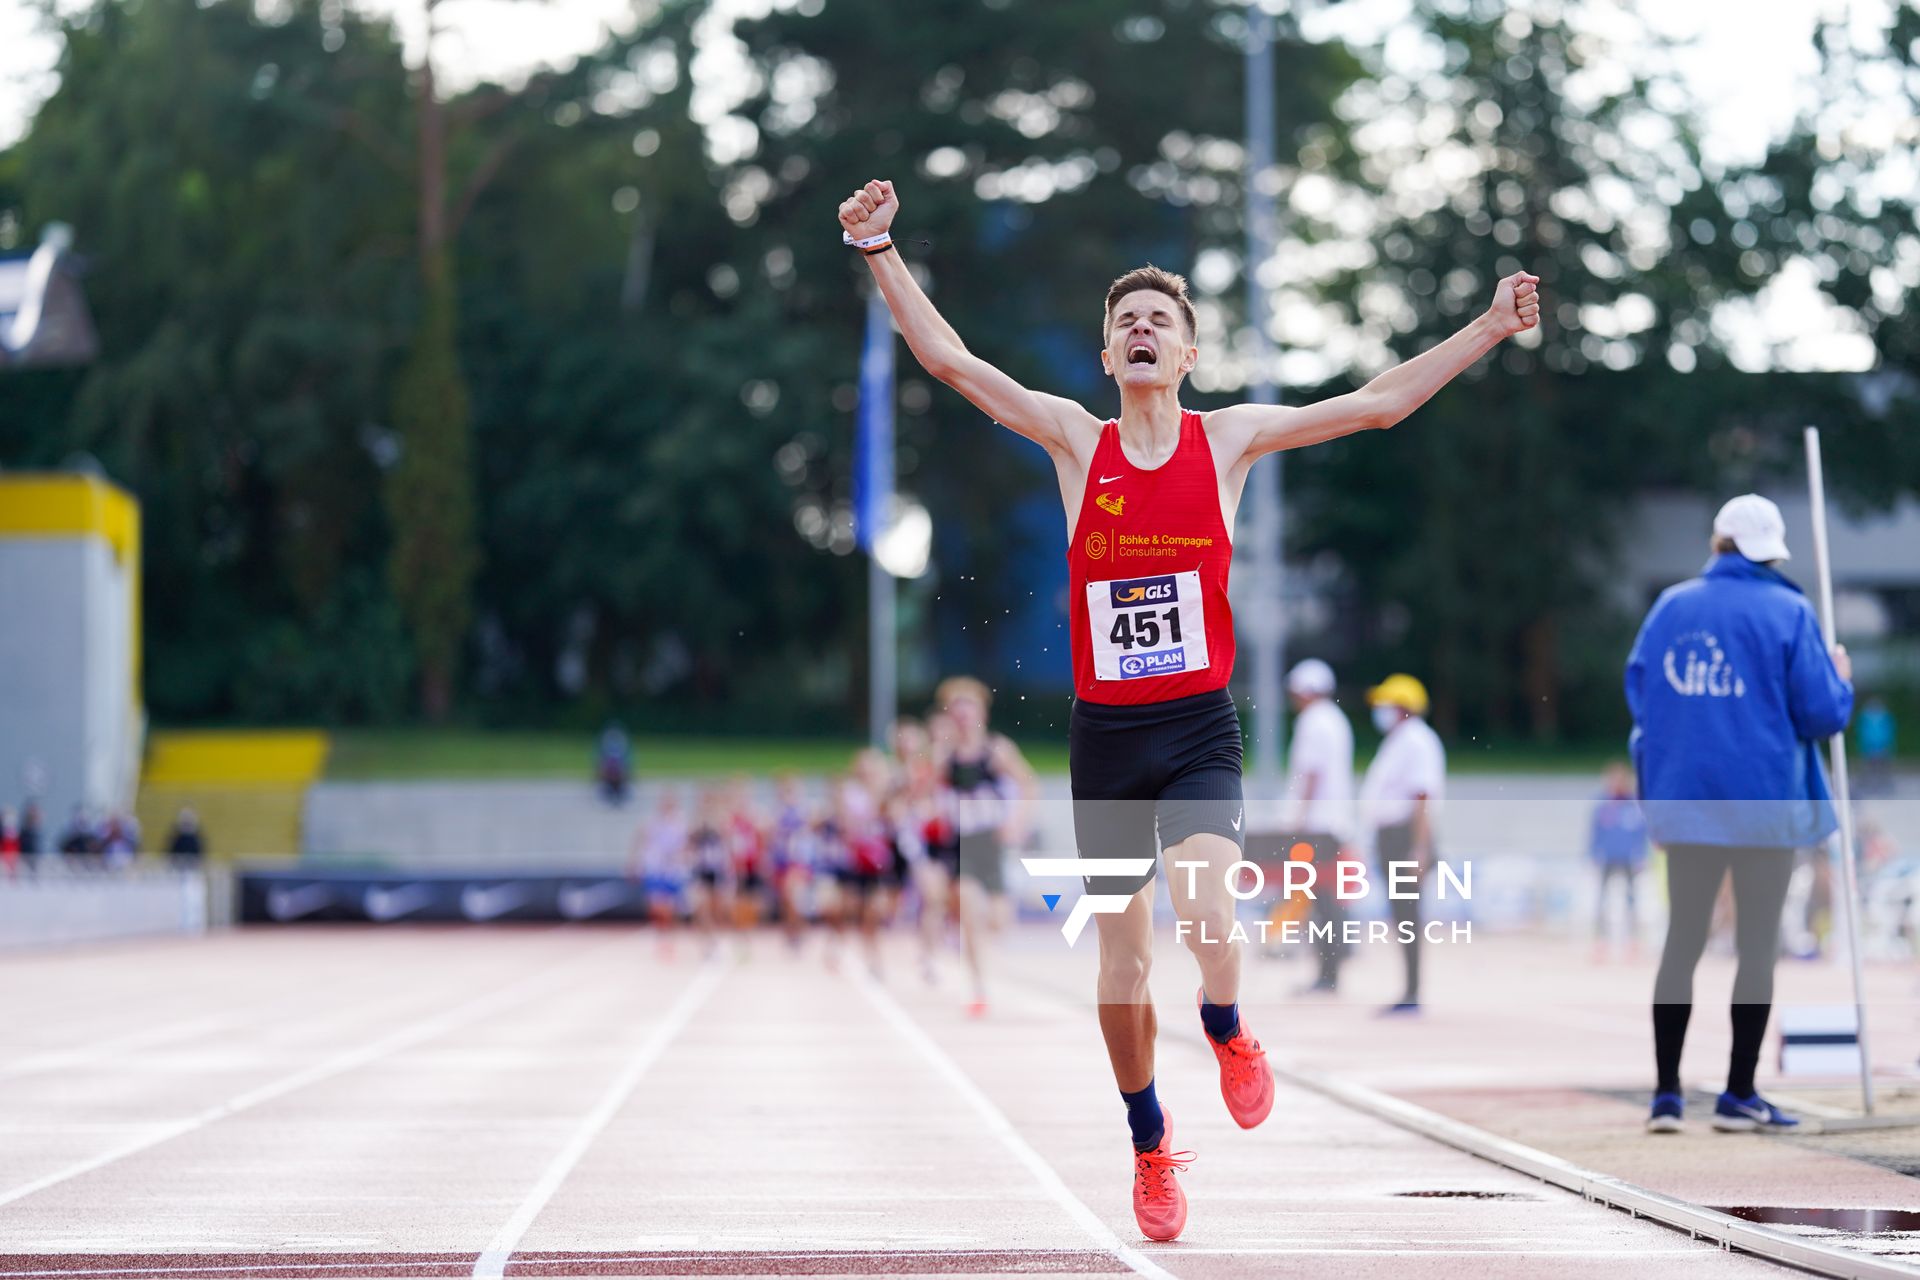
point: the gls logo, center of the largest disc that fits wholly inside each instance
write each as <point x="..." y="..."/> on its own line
<point x="1089" y="904"/>
<point x="1134" y="592"/>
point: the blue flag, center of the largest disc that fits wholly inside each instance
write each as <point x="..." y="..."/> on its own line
<point x="873" y="428"/>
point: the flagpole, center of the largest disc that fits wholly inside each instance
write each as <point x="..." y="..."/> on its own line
<point x="873" y="504"/>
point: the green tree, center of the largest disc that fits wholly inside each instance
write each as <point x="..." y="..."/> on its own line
<point x="241" y="258"/>
<point x="1480" y="553"/>
<point x="430" y="493"/>
<point x="634" y="392"/>
<point x="1837" y="197"/>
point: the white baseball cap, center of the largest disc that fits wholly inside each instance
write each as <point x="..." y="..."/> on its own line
<point x="1755" y="526"/>
<point x="1310" y="676"/>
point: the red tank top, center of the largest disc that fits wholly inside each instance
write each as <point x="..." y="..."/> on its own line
<point x="1147" y="576"/>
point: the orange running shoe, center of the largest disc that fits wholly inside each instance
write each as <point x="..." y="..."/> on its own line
<point x="1159" y="1205"/>
<point x="1246" y="1081"/>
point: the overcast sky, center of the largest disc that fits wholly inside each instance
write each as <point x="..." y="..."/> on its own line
<point x="1747" y="61"/>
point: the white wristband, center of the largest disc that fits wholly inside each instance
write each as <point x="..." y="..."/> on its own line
<point x="871" y="242"/>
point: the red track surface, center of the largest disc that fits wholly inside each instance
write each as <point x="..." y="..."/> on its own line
<point x="320" y="1266"/>
<point x="344" y="1102"/>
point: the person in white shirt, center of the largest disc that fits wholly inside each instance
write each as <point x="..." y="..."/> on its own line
<point x="1400" y="804"/>
<point x="1319" y="803"/>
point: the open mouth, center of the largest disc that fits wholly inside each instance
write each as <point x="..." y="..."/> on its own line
<point x="1140" y="353"/>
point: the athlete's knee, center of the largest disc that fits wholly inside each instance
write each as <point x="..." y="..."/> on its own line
<point x="1207" y="923"/>
<point x="1123" y="974"/>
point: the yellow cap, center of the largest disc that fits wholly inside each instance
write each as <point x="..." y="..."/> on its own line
<point x="1399" y="690"/>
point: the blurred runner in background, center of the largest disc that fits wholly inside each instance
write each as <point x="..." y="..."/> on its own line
<point x="746" y="853"/>
<point x="868" y="882"/>
<point x="709" y="849"/>
<point x="792" y="848"/>
<point x="658" y="861"/>
<point x="990" y="796"/>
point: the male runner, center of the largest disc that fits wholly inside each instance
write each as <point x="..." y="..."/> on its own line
<point x="790" y="841"/>
<point x="708" y="850"/>
<point x="990" y="792"/>
<point x="913" y="812"/>
<point x="658" y="860"/>
<point x="1154" y="739"/>
<point x="747" y="848"/>
<point x="868" y="884"/>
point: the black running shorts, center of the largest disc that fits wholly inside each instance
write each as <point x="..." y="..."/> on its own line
<point x="983" y="860"/>
<point x="1147" y="777"/>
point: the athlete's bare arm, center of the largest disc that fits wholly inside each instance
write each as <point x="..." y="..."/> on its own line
<point x="1247" y="431"/>
<point x="1008" y="761"/>
<point x="1058" y="425"/>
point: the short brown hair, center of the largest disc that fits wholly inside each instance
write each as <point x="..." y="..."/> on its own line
<point x="963" y="687"/>
<point x="1152" y="277"/>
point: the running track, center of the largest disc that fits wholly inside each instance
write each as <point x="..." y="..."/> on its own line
<point x="542" y="1102"/>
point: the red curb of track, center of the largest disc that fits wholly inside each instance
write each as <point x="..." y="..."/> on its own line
<point x="338" y="1266"/>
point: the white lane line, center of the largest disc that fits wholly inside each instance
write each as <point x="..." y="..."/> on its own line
<point x="999" y="1126"/>
<point x="493" y="1263"/>
<point x="1819" y="1110"/>
<point x="460" y="1015"/>
<point x="147" y="1038"/>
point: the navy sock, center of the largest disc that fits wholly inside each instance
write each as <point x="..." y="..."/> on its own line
<point x="1222" y="1021"/>
<point x="1144" y="1118"/>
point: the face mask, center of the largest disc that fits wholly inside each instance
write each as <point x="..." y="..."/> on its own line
<point x="1384" y="718"/>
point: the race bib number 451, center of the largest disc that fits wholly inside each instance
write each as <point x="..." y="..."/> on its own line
<point x="1147" y="626"/>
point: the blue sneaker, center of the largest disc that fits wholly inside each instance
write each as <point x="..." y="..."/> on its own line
<point x="1747" y="1115"/>
<point x="1669" y="1113"/>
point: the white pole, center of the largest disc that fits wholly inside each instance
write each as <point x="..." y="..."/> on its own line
<point x="1837" y="746"/>
<point x="1264" y="489"/>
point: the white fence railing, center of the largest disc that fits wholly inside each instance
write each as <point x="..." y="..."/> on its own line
<point x="54" y="909"/>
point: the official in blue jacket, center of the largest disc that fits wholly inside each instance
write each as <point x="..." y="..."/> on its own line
<point x="1732" y="690"/>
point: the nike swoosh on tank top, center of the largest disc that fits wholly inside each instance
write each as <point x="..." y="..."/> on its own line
<point x="1147" y="566"/>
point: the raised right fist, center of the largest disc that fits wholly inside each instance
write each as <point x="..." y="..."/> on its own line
<point x="869" y="211"/>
